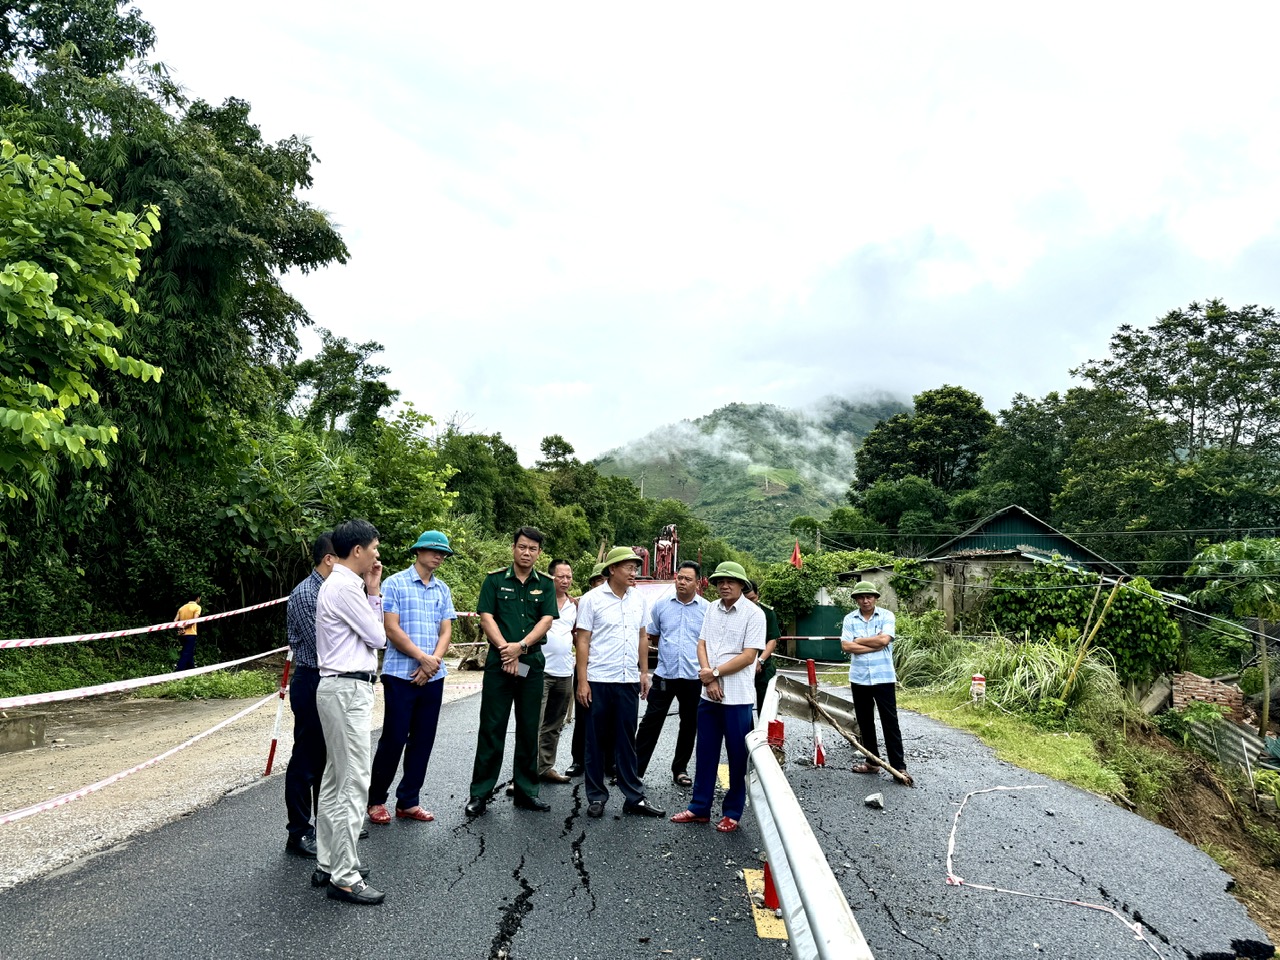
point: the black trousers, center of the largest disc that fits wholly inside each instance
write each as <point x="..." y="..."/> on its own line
<point x="614" y="707"/>
<point x="306" y="763"/>
<point x="870" y="699"/>
<point x="661" y="693"/>
<point x="582" y="717"/>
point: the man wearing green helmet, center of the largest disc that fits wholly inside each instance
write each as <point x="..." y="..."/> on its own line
<point x="614" y="650"/>
<point x="418" y="615"/>
<point x="732" y="637"/>
<point x="867" y="636"/>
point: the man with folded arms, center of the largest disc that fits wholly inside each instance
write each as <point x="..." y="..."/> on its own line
<point x="732" y="637"/>
<point x="614" y="647"/>
<point x="418" y="615"/>
<point x="675" y="622"/>
<point x="349" y="634"/>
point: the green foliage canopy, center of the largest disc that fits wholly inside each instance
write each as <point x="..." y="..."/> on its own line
<point x="66" y="259"/>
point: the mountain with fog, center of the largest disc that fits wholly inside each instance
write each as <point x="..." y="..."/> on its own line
<point x="750" y="469"/>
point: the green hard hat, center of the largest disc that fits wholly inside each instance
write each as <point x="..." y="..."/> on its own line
<point x="731" y="571"/>
<point x="597" y="571"/>
<point x="866" y="586"/>
<point x="432" y="540"/>
<point x="618" y="555"/>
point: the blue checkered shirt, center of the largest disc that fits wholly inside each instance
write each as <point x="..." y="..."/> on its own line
<point x="300" y="620"/>
<point x="677" y="625"/>
<point x="868" y="668"/>
<point x="422" y="607"/>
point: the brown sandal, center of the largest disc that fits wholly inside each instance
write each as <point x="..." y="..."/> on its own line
<point x="865" y="768"/>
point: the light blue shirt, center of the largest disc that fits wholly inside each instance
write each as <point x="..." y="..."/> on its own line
<point x="677" y="626"/>
<point x="877" y="667"/>
<point x="422" y="607"/>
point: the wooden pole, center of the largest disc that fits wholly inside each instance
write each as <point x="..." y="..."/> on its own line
<point x="902" y="778"/>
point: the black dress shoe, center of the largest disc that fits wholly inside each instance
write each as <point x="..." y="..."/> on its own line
<point x="475" y="807"/>
<point x="532" y="803"/>
<point x="643" y="809"/>
<point x="595" y="809"/>
<point x="364" y="833"/>
<point x="360" y="893"/>
<point x="303" y="846"/>
<point x="575" y="770"/>
<point x="320" y="877"/>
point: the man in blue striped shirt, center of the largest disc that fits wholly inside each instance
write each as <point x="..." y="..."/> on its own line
<point x="418" y="615"/>
<point x="867" y="635"/>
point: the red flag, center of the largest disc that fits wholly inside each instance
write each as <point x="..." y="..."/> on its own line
<point x="795" y="557"/>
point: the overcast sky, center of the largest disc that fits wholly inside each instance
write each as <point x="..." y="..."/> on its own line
<point x="593" y="219"/>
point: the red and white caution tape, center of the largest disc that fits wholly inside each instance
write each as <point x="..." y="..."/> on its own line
<point x="1135" y="927"/>
<point x="10" y="702"/>
<point x="154" y="628"/>
<point x="115" y="778"/>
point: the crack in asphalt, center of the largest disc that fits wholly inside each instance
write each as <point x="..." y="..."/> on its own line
<point x="898" y="926"/>
<point x="465" y="827"/>
<point x="573" y="814"/>
<point x="512" y="916"/>
<point x="584" y="875"/>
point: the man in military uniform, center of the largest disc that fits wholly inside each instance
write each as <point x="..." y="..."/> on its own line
<point x="766" y="667"/>
<point x="517" y="606"/>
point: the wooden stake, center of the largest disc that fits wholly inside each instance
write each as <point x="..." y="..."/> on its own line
<point x="902" y="778"/>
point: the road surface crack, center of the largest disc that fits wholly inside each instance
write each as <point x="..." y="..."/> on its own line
<point x="462" y="869"/>
<point x="573" y="814"/>
<point x="512" y="916"/>
<point x="584" y="876"/>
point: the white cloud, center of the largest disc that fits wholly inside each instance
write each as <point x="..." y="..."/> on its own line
<point x="718" y="202"/>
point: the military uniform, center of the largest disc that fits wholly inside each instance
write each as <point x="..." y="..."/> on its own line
<point x="516" y="608"/>
<point x="771" y="632"/>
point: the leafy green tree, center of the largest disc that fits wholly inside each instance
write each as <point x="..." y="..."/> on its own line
<point x="343" y="385"/>
<point x="1025" y="457"/>
<point x="67" y="259"/>
<point x="489" y="481"/>
<point x="1208" y="371"/>
<point x="940" y="441"/>
<point x="557" y="453"/>
<point x="1245" y="575"/>
<point x="96" y="34"/>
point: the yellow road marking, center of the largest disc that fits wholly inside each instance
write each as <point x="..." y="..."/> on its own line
<point x="768" y="927"/>
<point x="724" y="776"/>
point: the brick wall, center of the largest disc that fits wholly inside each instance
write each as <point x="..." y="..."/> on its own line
<point x="1189" y="686"/>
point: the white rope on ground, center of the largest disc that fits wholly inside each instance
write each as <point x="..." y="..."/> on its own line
<point x="955" y="881"/>
<point x="117" y="685"/>
<point x="154" y="628"/>
<point x="115" y="778"/>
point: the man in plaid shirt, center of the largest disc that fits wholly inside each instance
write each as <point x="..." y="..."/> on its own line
<point x="867" y="635"/>
<point x="418" y="614"/>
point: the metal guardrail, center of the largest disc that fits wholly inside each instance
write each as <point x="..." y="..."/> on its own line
<point x="814" y="908"/>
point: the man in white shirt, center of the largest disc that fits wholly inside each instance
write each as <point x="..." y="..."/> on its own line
<point x="731" y="639"/>
<point x="349" y="634"/>
<point x="557" y="678"/>
<point x="614" y="647"/>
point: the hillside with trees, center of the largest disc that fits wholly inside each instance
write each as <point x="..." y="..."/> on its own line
<point x="749" y="469"/>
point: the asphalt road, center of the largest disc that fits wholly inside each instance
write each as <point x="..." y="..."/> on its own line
<point x="542" y="886"/>
<point x="513" y="883"/>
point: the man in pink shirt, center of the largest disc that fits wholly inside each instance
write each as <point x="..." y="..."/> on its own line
<point x="349" y="634"/>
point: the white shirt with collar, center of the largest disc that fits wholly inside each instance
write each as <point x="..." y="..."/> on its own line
<point x="614" y="623"/>
<point x="349" y="630"/>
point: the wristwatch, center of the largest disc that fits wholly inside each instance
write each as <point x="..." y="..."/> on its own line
<point x="524" y="647"/>
<point x="716" y="672"/>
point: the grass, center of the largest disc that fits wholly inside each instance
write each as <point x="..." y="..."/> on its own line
<point x="219" y="685"/>
<point x="1069" y="756"/>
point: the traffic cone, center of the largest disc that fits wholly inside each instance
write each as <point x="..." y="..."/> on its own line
<point x="770" y="891"/>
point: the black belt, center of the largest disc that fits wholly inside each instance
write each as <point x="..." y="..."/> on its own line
<point x="359" y="675"/>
